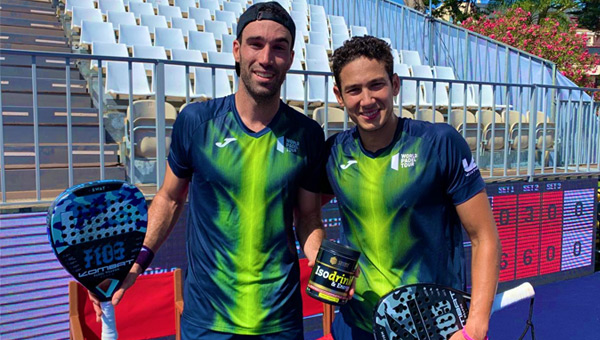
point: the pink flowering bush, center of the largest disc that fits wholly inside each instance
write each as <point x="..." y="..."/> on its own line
<point x="547" y="40"/>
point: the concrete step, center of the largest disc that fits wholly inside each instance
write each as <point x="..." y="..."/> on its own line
<point x="24" y="115"/>
<point x="32" y="8"/>
<point x="42" y="72"/>
<point x="8" y="20"/>
<point x="31" y="31"/>
<point x="27" y="15"/>
<point x="44" y="85"/>
<point x="37" y="48"/>
<point x="41" y="62"/>
<point x="52" y="133"/>
<point x="23" y="156"/>
<point x="31" y="39"/>
<point x="32" y="3"/>
<point x="20" y="183"/>
<point x="44" y="100"/>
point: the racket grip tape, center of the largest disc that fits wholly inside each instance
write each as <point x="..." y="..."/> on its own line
<point x="507" y="298"/>
<point x="109" y="326"/>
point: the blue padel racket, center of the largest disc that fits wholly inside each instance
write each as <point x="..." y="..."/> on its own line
<point x="433" y="312"/>
<point x="96" y="230"/>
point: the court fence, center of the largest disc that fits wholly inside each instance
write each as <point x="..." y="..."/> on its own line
<point x="514" y="130"/>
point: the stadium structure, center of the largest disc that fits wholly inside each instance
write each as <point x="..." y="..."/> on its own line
<point x="90" y="90"/>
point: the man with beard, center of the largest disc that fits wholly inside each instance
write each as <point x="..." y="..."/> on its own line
<point x="251" y="164"/>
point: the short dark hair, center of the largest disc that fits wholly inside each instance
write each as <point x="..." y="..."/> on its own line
<point x="364" y="46"/>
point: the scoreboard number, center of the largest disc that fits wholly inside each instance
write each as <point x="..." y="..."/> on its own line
<point x="544" y="228"/>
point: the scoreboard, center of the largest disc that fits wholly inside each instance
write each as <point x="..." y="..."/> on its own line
<point x="546" y="228"/>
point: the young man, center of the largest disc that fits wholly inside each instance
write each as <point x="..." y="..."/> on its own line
<point x="252" y="165"/>
<point x="403" y="188"/>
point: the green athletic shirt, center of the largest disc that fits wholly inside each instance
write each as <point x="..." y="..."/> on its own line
<point x="243" y="273"/>
<point x="397" y="207"/>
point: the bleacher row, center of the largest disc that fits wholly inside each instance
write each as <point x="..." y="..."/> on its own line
<point x="203" y="32"/>
<point x="158" y="30"/>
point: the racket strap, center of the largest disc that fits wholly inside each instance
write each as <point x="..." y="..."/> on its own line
<point x="529" y="322"/>
<point x="145" y="257"/>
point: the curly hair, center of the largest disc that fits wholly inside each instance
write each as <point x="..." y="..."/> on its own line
<point x="365" y="46"/>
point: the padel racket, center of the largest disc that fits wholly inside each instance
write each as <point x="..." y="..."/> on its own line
<point x="432" y="312"/>
<point x="96" y="230"/>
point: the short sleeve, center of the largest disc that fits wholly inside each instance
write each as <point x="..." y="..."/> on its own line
<point x="180" y="158"/>
<point x="458" y="165"/>
<point x="311" y="178"/>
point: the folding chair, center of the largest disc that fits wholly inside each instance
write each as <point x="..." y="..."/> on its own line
<point x="151" y="308"/>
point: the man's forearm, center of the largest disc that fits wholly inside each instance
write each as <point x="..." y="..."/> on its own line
<point x="484" y="280"/>
<point x="310" y="234"/>
<point x="162" y="215"/>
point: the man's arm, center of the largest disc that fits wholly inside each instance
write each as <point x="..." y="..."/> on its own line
<point x="162" y="215"/>
<point x="477" y="219"/>
<point x="309" y="226"/>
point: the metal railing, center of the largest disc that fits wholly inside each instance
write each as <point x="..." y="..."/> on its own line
<point x="472" y="55"/>
<point x="572" y="123"/>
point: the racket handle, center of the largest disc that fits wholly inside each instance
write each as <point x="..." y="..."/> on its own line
<point x="109" y="326"/>
<point x="507" y="298"/>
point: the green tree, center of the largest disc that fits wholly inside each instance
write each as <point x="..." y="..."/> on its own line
<point x="540" y="9"/>
<point x="457" y="10"/>
<point x="588" y="15"/>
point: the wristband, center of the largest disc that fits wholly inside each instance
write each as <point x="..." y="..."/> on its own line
<point x="145" y="258"/>
<point x="467" y="337"/>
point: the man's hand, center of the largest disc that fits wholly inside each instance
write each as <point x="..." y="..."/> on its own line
<point x="128" y="282"/>
<point x="356" y="275"/>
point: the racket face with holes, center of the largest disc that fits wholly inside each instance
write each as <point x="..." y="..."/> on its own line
<point x="96" y="230"/>
<point x="420" y="311"/>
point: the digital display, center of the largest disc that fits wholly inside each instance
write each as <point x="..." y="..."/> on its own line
<point x="544" y="227"/>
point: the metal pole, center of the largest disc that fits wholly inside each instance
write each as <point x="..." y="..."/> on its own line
<point x="557" y="121"/>
<point x="552" y="105"/>
<point x="376" y="18"/>
<point x="36" y="126"/>
<point x="101" y="118"/>
<point x="187" y="84"/>
<point x="161" y="155"/>
<point x="466" y="59"/>
<point x="69" y="121"/>
<point x="478" y="119"/>
<point x="402" y="30"/>
<point x="520" y="132"/>
<point x="326" y="126"/>
<point x="131" y="118"/>
<point x="590" y="130"/>
<point x="430" y="36"/>
<point x="567" y="145"/>
<point x="578" y="133"/>
<point x="2" y="166"/>
<point x="531" y="148"/>
<point x="544" y="128"/>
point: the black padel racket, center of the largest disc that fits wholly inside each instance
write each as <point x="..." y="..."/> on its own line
<point x="96" y="230"/>
<point x="430" y="311"/>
